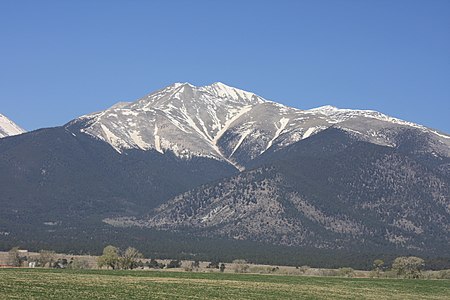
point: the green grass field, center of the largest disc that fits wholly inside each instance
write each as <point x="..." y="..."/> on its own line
<point x="98" y="284"/>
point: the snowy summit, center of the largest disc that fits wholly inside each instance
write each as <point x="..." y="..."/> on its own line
<point x="228" y="124"/>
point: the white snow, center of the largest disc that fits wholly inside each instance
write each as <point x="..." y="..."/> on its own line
<point x="8" y="127"/>
<point x="157" y="139"/>
<point x="137" y="139"/>
<point x="192" y="124"/>
<point x="308" y="132"/>
<point x="230" y="121"/>
<point x="243" y="136"/>
<point x="283" y="122"/>
<point x="112" y="138"/>
<point x="441" y="135"/>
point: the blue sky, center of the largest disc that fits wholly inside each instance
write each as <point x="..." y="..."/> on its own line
<point x="63" y="59"/>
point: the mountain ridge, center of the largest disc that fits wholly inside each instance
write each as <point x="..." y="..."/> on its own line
<point x="217" y="121"/>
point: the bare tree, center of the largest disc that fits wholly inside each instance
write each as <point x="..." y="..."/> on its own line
<point x="14" y="257"/>
<point x="240" y="266"/>
<point x="377" y="267"/>
<point x="409" y="267"/>
<point x="46" y="257"/>
<point x="130" y="258"/>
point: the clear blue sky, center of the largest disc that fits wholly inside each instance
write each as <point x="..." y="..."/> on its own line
<point x="62" y="59"/>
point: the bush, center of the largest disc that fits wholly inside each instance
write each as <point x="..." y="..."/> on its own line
<point x="193" y="266"/>
<point x="78" y="264"/>
<point x="346" y="272"/>
<point x="389" y="274"/>
<point x="260" y="269"/>
<point x="443" y="274"/>
<point x="196" y="264"/>
<point x="327" y="272"/>
<point x="213" y="265"/>
<point x="303" y="269"/>
<point x="174" y="264"/>
<point x="61" y="263"/>
<point x="240" y="266"/>
<point x="153" y="264"/>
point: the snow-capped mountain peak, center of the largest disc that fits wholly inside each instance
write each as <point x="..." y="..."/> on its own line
<point x="229" y="124"/>
<point x="8" y="127"/>
<point x="224" y="91"/>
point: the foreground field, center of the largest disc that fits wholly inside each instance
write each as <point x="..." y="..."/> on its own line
<point x="98" y="284"/>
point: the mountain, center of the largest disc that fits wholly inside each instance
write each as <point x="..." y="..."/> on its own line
<point x="231" y="125"/>
<point x="219" y="163"/>
<point x="331" y="190"/>
<point x="8" y="127"/>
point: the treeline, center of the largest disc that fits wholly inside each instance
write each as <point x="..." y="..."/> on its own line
<point x="167" y="245"/>
<point x="114" y="258"/>
<point x="45" y="259"/>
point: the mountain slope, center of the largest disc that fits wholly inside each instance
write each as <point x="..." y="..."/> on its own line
<point x="328" y="191"/>
<point x="52" y="175"/>
<point x="8" y="127"/>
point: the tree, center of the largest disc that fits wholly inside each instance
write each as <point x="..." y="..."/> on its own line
<point x="154" y="264"/>
<point x="110" y="258"/>
<point x="78" y="264"/>
<point x="346" y="272"/>
<point x="193" y="266"/>
<point x="130" y="258"/>
<point x="222" y="267"/>
<point x="377" y="267"/>
<point x="196" y="264"/>
<point x="61" y="263"/>
<point x="240" y="266"/>
<point x="174" y="264"/>
<point x="408" y="267"/>
<point x="14" y="257"/>
<point x="213" y="265"/>
<point x="46" y="257"/>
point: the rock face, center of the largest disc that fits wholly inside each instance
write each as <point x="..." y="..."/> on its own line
<point x="8" y="127"/>
<point x="219" y="162"/>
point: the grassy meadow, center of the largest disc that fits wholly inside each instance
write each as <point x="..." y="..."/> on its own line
<point x="105" y="284"/>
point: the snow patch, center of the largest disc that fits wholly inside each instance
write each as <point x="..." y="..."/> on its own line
<point x="283" y="122"/>
<point x="309" y="132"/>
<point x="137" y="139"/>
<point x="243" y="136"/>
<point x="8" y="127"/>
<point x="113" y="140"/>
<point x="157" y="140"/>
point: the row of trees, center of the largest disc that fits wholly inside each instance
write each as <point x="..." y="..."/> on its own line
<point x="131" y="258"/>
<point x="17" y="258"/>
<point x="404" y="266"/>
<point x="45" y="258"/>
